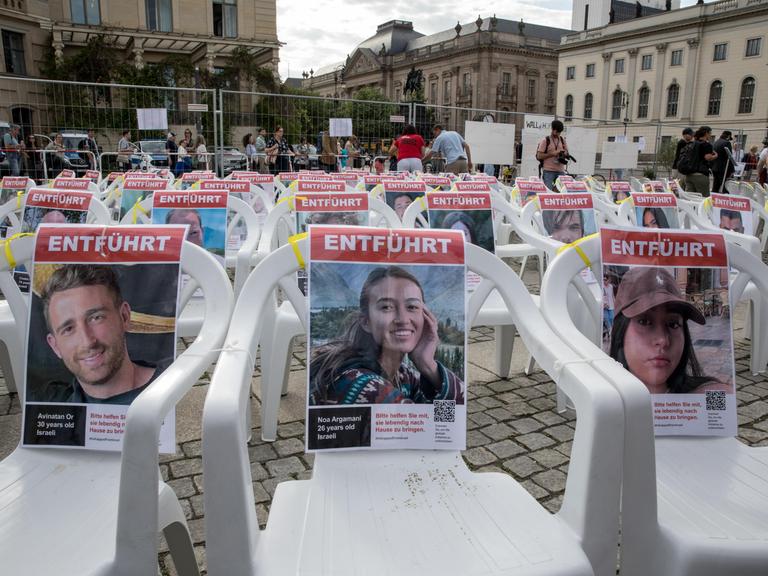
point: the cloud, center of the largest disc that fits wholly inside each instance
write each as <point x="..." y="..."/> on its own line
<point x="324" y="31"/>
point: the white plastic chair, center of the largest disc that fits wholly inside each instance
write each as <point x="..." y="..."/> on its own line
<point x="95" y="512"/>
<point x="690" y="505"/>
<point x="282" y="321"/>
<point x="408" y="512"/>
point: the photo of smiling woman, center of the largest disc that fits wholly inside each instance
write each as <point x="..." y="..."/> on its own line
<point x="388" y="350"/>
<point x="651" y="337"/>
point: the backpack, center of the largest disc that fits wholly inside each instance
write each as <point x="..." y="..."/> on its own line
<point x="688" y="161"/>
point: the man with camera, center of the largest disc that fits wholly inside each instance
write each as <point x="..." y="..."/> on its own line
<point x="552" y="154"/>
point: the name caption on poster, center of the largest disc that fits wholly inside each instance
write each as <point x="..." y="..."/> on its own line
<point x="327" y="427"/>
<point x="49" y="423"/>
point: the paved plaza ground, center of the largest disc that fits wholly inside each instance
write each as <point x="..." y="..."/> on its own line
<point x="513" y="427"/>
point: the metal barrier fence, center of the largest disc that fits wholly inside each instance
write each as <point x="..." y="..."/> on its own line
<point x="224" y="117"/>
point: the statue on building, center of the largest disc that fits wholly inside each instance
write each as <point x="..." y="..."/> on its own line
<point x="413" y="82"/>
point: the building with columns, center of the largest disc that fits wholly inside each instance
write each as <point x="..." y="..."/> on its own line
<point x="489" y="64"/>
<point x="651" y="76"/>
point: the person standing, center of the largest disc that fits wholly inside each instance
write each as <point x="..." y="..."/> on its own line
<point x="547" y="153"/>
<point x="687" y="137"/>
<point x="31" y="158"/>
<point x="278" y="152"/>
<point x="172" y="149"/>
<point x="455" y="150"/>
<point x="750" y="163"/>
<point x="698" y="180"/>
<point x="260" y="145"/>
<point x="90" y="149"/>
<point x="354" y="160"/>
<point x="410" y="150"/>
<point x="12" y="149"/>
<point x="124" y="149"/>
<point x="762" y="164"/>
<point x="201" y="153"/>
<point x="723" y="165"/>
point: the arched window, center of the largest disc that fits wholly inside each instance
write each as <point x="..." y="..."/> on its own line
<point x="568" y="107"/>
<point x="715" y="94"/>
<point x="643" y="97"/>
<point x="588" y="105"/>
<point x="747" y="95"/>
<point x="673" y="96"/>
<point x="616" y="104"/>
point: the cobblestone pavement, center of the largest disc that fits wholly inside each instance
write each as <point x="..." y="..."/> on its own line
<point x="513" y="427"/>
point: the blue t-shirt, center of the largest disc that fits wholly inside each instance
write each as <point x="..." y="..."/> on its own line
<point x="451" y="145"/>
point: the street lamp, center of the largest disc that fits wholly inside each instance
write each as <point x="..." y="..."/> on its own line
<point x="338" y="80"/>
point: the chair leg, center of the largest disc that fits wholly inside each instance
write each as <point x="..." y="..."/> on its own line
<point x="522" y="266"/>
<point x="11" y="371"/>
<point x="505" y="340"/>
<point x="287" y="367"/>
<point x="530" y="365"/>
<point x="174" y="525"/>
<point x="273" y="373"/>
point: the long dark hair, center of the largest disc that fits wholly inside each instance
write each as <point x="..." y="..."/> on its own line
<point x="687" y="375"/>
<point x="356" y="347"/>
<point x="659" y="216"/>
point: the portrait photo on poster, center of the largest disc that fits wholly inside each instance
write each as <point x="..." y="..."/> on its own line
<point x="386" y="334"/>
<point x="670" y="327"/>
<point x="656" y="217"/>
<point x="477" y="225"/>
<point x="207" y="227"/>
<point x="99" y="334"/>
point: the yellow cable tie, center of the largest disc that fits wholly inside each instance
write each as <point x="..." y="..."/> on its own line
<point x="7" y="246"/>
<point x="423" y="202"/>
<point x="294" y="242"/>
<point x="707" y="202"/>
<point x="136" y="208"/>
<point x="579" y="250"/>
<point x="290" y="200"/>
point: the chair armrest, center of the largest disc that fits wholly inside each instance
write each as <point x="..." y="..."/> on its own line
<point x="139" y="474"/>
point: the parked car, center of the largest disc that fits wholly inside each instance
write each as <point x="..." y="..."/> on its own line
<point x="231" y="159"/>
<point x="156" y="151"/>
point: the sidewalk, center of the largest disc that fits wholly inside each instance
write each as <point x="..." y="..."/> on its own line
<point x="513" y="427"/>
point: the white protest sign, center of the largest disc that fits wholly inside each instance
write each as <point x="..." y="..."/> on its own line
<point x="619" y="155"/>
<point x="490" y="142"/>
<point x="535" y="127"/>
<point x="341" y="126"/>
<point x="152" y="118"/>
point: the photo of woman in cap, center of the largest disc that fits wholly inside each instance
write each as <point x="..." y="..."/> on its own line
<point x="650" y="334"/>
<point x="387" y="351"/>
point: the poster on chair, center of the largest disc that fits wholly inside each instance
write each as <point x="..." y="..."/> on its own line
<point x="102" y="328"/>
<point x="387" y="339"/>
<point x="655" y="210"/>
<point x="667" y="319"/>
<point x="135" y="190"/>
<point x="470" y="212"/>
<point x="732" y="213"/>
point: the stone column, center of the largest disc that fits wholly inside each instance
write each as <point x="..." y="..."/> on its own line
<point x="605" y="96"/>
<point x="661" y="51"/>
<point x="691" y="72"/>
<point x="631" y="74"/>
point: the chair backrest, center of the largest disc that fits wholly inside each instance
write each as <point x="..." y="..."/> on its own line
<point x="639" y="501"/>
<point x="231" y="524"/>
<point x="13" y="210"/>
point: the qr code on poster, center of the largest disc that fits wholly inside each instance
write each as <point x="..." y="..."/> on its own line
<point x="715" y="400"/>
<point x="445" y="410"/>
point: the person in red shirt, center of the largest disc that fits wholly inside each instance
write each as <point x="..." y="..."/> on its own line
<point x="410" y="150"/>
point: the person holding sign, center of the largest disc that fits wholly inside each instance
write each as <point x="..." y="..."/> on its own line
<point x="650" y="335"/>
<point x="87" y="321"/>
<point x="387" y="353"/>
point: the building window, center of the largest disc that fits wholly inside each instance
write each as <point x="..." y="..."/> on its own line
<point x="616" y="104"/>
<point x="13" y="47"/>
<point x="721" y="52"/>
<point x="433" y="92"/>
<point x="466" y="84"/>
<point x="588" y="105"/>
<point x="506" y="83"/>
<point x="753" y="47"/>
<point x="673" y="96"/>
<point x="225" y="18"/>
<point x="747" y="95"/>
<point x="570" y="72"/>
<point x="618" y="66"/>
<point x="447" y="91"/>
<point x="550" y="89"/>
<point x="159" y="15"/>
<point x="642" y="102"/>
<point x="647" y="62"/>
<point x="531" y="89"/>
<point x="677" y="58"/>
<point x="85" y="12"/>
<point x="590" y="72"/>
<point x="568" y="107"/>
<point x="715" y="94"/>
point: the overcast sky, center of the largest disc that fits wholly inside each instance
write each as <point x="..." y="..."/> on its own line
<point x="321" y="32"/>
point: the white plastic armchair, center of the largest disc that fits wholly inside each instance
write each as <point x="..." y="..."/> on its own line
<point x="282" y="320"/>
<point x="690" y="505"/>
<point x="357" y="515"/>
<point x="93" y="512"/>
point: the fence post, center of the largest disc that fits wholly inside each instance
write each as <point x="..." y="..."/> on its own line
<point x="656" y="149"/>
<point x="218" y="125"/>
<point x="411" y="114"/>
